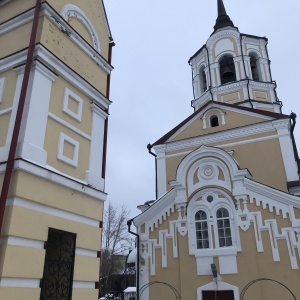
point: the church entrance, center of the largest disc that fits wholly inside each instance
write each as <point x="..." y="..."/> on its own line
<point x="217" y="295"/>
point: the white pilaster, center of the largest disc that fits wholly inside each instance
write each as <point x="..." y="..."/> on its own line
<point x="4" y="150"/>
<point x="35" y="116"/>
<point x="94" y="174"/>
<point x="287" y="152"/>
<point x="161" y="174"/>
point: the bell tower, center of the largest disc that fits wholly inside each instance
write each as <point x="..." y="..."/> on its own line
<point x="234" y="68"/>
<point x="55" y="65"/>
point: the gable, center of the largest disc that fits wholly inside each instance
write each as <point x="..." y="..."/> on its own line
<point x="229" y="117"/>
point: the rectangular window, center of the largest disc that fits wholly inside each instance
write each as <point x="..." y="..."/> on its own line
<point x="57" y="279"/>
<point x="219" y="295"/>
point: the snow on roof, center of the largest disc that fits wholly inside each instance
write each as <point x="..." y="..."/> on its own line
<point x="130" y="289"/>
<point x="132" y="256"/>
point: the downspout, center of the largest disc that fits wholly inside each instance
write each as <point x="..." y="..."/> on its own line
<point x="293" y="117"/>
<point x="245" y="70"/>
<point x="149" y="147"/>
<point x="129" y="223"/>
<point x="209" y="71"/>
<point x="19" y="115"/>
<point x="269" y="64"/>
<point x="111" y="45"/>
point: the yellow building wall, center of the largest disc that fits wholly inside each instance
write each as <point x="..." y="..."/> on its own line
<point x="181" y="272"/>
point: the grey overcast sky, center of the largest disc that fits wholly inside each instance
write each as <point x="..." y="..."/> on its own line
<point x="151" y="86"/>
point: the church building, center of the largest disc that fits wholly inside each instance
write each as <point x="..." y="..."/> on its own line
<point x="226" y="221"/>
<point x="55" y="66"/>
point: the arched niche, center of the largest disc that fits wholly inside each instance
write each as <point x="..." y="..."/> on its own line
<point x="72" y="11"/>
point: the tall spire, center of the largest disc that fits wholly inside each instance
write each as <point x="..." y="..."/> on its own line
<point x="223" y="19"/>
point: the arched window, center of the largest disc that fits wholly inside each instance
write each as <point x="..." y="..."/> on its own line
<point x="214" y="121"/>
<point x="224" y="230"/>
<point x="202" y="236"/>
<point x="203" y="83"/>
<point x="227" y="69"/>
<point x="254" y="67"/>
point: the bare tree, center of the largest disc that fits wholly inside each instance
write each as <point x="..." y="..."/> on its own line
<point x="116" y="241"/>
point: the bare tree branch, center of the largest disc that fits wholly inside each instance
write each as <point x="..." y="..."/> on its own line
<point x="115" y="241"/>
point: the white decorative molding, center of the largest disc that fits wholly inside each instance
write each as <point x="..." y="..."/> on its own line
<point x="94" y="173"/>
<point x="13" y="282"/>
<point x="85" y="252"/>
<point x="54" y="212"/>
<point x="223" y="34"/>
<point x="69" y="126"/>
<point x="58" y="21"/>
<point x="69" y="96"/>
<point x="32" y="137"/>
<point x="72" y="11"/>
<point x="23" y="242"/>
<point x="83" y="284"/>
<point x="5" y="111"/>
<point x="242" y="132"/>
<point x="63" y="139"/>
<point x="2" y="87"/>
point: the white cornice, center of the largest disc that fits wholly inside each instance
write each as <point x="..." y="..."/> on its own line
<point x="53" y="175"/>
<point x="59" y="22"/>
<point x="157" y="211"/>
<point x="271" y="193"/>
<point x="55" y="65"/>
<point x="218" y="137"/>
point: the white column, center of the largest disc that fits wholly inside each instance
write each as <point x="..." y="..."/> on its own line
<point x="4" y="150"/>
<point x="287" y="151"/>
<point x="216" y="80"/>
<point x="161" y="174"/>
<point x="94" y="174"/>
<point x="35" y="116"/>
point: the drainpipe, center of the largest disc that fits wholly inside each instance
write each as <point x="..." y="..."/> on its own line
<point x="111" y="45"/>
<point x="293" y="117"/>
<point x="149" y="147"/>
<point x="18" y="121"/>
<point x="129" y="223"/>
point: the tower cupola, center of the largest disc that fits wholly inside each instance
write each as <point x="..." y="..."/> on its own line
<point x="233" y="68"/>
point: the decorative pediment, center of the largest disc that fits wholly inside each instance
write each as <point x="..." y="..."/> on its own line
<point x="209" y="166"/>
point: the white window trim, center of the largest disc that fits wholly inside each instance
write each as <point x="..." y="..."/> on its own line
<point x="78" y="115"/>
<point x="226" y="255"/>
<point x="60" y="156"/>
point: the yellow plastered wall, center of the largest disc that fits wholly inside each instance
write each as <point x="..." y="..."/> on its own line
<point x="24" y="224"/>
<point x="64" y="48"/>
<point x="51" y="145"/>
<point x="232" y="120"/>
<point x="94" y="13"/>
<point x="8" y="293"/>
<point x="56" y="105"/>
<point x="9" y="88"/>
<point x="55" y="195"/>
<point x="251" y="265"/>
<point x="23" y="262"/>
<point x="262" y="158"/>
<point x="11" y="10"/>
